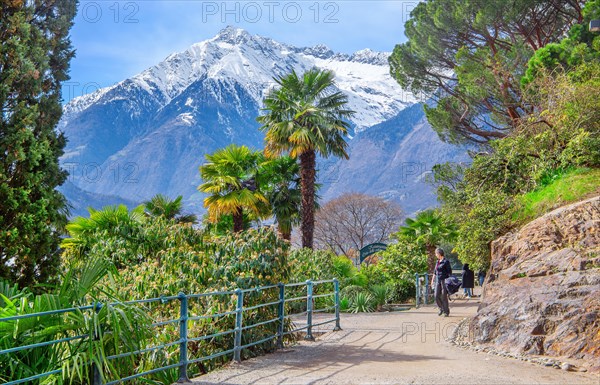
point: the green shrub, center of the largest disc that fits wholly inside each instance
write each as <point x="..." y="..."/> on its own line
<point x="398" y="264"/>
<point x="347" y="273"/>
<point x="358" y="279"/>
<point x="374" y="274"/>
<point x="306" y="264"/>
<point x="381" y="295"/>
<point x="351" y="290"/>
<point x="344" y="304"/>
<point x="119" y="328"/>
<point x="247" y="259"/>
<point x="403" y="290"/>
<point x="171" y="258"/>
<point x="361" y="302"/>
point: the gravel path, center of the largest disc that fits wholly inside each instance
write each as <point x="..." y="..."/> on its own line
<point x="406" y="347"/>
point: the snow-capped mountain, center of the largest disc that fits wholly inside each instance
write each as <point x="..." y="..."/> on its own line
<point x="252" y="61"/>
<point x="148" y="134"/>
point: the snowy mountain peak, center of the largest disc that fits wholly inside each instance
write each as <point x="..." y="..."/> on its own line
<point x="369" y="56"/>
<point x="320" y="50"/>
<point x="239" y="59"/>
<point x="232" y="35"/>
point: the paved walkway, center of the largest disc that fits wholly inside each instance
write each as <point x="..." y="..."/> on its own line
<point x="391" y="348"/>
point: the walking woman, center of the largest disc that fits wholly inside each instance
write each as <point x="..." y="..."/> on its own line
<point x="442" y="271"/>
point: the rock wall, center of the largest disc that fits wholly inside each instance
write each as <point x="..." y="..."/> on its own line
<point x="543" y="292"/>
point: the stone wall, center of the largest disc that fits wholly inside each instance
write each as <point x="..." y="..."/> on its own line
<point x="543" y="292"/>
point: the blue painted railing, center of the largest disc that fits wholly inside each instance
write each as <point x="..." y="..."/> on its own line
<point x="185" y="319"/>
<point x="423" y="294"/>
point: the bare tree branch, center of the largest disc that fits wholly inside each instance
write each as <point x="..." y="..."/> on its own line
<point x="352" y="221"/>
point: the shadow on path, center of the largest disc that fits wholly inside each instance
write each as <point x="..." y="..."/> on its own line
<point x="389" y="348"/>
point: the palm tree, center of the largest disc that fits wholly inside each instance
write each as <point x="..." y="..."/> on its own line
<point x="110" y="221"/>
<point x="116" y="219"/>
<point x="429" y="228"/>
<point x="305" y="116"/>
<point x="170" y="209"/>
<point x="281" y="183"/>
<point x="230" y="178"/>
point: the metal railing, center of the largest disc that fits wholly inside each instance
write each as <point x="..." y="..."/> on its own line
<point x="185" y="322"/>
<point x="424" y="294"/>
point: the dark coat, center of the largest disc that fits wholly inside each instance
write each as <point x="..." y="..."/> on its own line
<point x="443" y="269"/>
<point x="468" y="277"/>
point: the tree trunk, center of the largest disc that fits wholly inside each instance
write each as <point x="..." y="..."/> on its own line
<point x="287" y="235"/>
<point x="307" y="185"/>
<point x="238" y="221"/>
<point x="431" y="258"/>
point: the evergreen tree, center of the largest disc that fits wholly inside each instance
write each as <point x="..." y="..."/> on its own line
<point x="34" y="60"/>
<point x="579" y="46"/>
<point x="469" y="56"/>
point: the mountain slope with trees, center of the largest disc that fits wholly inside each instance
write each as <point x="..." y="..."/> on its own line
<point x="470" y="56"/>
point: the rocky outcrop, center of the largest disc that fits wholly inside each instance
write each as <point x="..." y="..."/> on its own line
<point x="543" y="292"/>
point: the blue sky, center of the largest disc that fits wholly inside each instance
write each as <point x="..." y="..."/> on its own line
<point x="115" y="40"/>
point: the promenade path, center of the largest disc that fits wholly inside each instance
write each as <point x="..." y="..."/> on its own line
<point x="406" y="347"/>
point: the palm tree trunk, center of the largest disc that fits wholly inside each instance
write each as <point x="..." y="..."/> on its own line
<point x="307" y="188"/>
<point x="284" y="229"/>
<point x="431" y="258"/>
<point x="284" y="234"/>
<point x="238" y="221"/>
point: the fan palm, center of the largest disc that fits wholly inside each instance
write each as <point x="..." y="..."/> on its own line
<point x="171" y="209"/>
<point x="429" y="228"/>
<point x="229" y="177"/>
<point x="305" y="116"/>
<point x="281" y="183"/>
<point x="115" y="220"/>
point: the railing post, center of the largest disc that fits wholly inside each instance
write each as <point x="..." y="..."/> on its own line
<point x="281" y="315"/>
<point x="183" y="338"/>
<point x="96" y="375"/>
<point x="336" y="288"/>
<point x="426" y="287"/>
<point x="237" y="347"/>
<point x="309" y="310"/>
<point x="417" y="290"/>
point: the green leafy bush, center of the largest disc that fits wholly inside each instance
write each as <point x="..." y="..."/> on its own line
<point x="347" y="273"/>
<point x="344" y="304"/>
<point x="361" y="302"/>
<point x="306" y="264"/>
<point x="381" y="295"/>
<point x="194" y="262"/>
<point x="117" y="329"/>
<point x="162" y="259"/>
<point x="399" y="263"/>
<point x="374" y="274"/>
<point x="560" y="134"/>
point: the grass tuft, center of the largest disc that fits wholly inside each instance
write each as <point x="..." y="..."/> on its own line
<point x="569" y="187"/>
